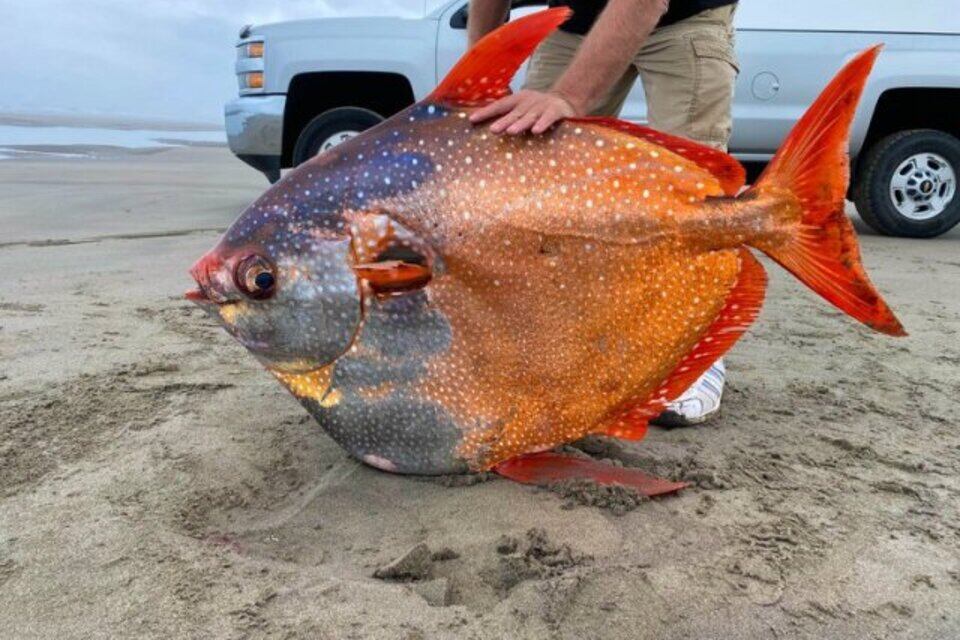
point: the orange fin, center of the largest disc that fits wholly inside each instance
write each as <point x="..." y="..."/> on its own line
<point x="739" y="311"/>
<point x="721" y="165"/>
<point x="629" y="425"/>
<point x="393" y="275"/>
<point x="811" y="173"/>
<point x="548" y="467"/>
<point x="484" y="73"/>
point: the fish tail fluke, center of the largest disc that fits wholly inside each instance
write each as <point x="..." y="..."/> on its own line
<point x="810" y="173"/>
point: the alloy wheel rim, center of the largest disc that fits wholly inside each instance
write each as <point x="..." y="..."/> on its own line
<point x="337" y="138"/>
<point x="923" y="186"/>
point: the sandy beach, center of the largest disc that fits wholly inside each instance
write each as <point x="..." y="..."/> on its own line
<point x="156" y="483"/>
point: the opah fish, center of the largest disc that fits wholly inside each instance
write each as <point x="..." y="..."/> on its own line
<point x="444" y="300"/>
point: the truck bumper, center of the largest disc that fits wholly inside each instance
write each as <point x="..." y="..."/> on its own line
<point x="255" y="131"/>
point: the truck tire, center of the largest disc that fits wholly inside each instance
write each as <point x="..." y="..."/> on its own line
<point x="907" y="184"/>
<point x="330" y="128"/>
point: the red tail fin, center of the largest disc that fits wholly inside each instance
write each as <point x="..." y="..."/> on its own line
<point x="811" y="173"/>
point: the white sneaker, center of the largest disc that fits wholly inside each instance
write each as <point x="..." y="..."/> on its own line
<point x="698" y="403"/>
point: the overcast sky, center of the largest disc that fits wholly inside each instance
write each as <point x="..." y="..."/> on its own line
<point x="148" y="58"/>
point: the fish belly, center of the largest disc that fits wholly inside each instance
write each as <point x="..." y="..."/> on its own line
<point x="544" y="347"/>
<point x="375" y="407"/>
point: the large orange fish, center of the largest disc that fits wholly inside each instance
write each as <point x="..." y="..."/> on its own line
<point x="446" y="300"/>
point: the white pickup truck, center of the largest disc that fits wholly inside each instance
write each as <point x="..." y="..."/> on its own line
<point x="307" y="85"/>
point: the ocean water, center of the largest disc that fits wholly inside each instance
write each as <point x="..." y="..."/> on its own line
<point x="20" y="141"/>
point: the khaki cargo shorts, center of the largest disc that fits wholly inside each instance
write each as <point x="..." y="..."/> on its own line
<point x="688" y="71"/>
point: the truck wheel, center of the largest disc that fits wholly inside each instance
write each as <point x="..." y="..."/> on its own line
<point x="330" y="128"/>
<point x="907" y="184"/>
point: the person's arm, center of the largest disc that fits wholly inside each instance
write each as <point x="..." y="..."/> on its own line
<point x="601" y="60"/>
<point x="484" y="17"/>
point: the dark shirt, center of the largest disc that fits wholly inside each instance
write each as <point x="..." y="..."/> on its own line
<point x="585" y="12"/>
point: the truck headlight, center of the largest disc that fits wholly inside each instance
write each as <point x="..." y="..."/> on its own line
<point x="250" y="50"/>
<point x="251" y="80"/>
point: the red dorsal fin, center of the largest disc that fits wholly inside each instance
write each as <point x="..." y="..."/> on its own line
<point x="723" y="166"/>
<point x="739" y="311"/>
<point x="484" y="73"/>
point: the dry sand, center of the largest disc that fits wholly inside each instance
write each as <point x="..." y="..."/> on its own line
<point x="156" y="483"/>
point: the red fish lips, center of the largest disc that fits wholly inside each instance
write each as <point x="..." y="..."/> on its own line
<point x="205" y="271"/>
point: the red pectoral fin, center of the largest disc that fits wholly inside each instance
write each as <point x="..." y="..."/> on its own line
<point x="483" y="74"/>
<point x="393" y="275"/>
<point x="545" y="468"/>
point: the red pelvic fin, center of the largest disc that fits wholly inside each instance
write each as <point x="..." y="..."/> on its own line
<point x="548" y="467"/>
<point x="722" y="166"/>
<point x="484" y="73"/>
<point x="739" y="311"/>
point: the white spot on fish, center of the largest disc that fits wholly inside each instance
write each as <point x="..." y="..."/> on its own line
<point x="379" y="463"/>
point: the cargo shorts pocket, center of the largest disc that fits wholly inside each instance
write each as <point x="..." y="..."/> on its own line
<point x="711" y="49"/>
<point x="715" y="73"/>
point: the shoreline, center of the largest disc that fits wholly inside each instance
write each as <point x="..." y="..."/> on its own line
<point x="102" y="121"/>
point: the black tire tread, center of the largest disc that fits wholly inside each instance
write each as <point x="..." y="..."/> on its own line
<point x="868" y="200"/>
<point x="306" y="137"/>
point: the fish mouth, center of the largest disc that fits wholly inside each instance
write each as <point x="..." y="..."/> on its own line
<point x="206" y="293"/>
<point x="197" y="295"/>
<point x="201" y="296"/>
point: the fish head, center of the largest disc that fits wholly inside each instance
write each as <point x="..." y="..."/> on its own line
<point x="288" y="278"/>
<point x="280" y="280"/>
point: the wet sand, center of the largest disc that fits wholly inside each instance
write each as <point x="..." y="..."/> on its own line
<point x="156" y="483"/>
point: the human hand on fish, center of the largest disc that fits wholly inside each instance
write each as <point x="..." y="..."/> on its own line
<point x="445" y="300"/>
<point x="534" y="111"/>
<point x="601" y="61"/>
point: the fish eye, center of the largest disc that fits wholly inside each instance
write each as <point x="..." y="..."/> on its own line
<point x="255" y="277"/>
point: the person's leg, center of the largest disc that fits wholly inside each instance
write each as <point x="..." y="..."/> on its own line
<point x="552" y="58"/>
<point x="688" y="71"/>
